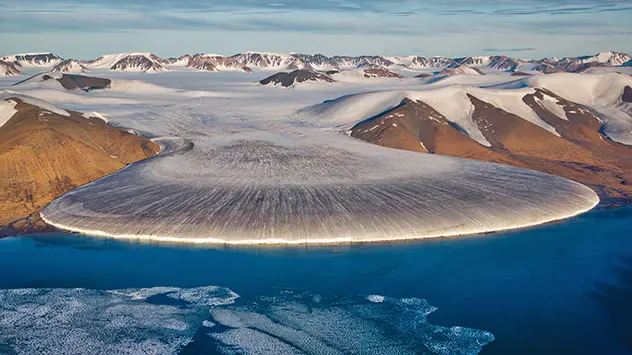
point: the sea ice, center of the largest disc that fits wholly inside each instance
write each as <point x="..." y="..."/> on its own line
<point x="82" y="321"/>
<point x="137" y="321"/>
<point x="299" y="323"/>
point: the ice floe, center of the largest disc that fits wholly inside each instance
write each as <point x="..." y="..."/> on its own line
<point x="139" y="321"/>
<point x="300" y="323"/>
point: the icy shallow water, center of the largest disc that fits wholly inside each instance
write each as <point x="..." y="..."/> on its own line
<point x="554" y="290"/>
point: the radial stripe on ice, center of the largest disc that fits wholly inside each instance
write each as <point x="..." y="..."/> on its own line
<point x="309" y="186"/>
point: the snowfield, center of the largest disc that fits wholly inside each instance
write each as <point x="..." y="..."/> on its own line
<point x="246" y="164"/>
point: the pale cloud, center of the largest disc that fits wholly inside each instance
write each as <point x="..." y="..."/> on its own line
<point x="544" y="27"/>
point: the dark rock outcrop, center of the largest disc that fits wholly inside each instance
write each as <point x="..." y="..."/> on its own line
<point x="627" y="95"/>
<point x="297" y="76"/>
<point x="81" y="82"/>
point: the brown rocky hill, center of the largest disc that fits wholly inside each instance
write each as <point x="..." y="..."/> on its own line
<point x="581" y="153"/>
<point x="45" y="154"/>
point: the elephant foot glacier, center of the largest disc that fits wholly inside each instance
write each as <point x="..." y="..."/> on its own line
<point x="307" y="186"/>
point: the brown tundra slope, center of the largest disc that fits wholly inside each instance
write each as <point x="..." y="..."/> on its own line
<point x="44" y="154"/>
<point x="581" y="153"/>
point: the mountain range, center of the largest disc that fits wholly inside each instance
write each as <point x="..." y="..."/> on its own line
<point x="249" y="61"/>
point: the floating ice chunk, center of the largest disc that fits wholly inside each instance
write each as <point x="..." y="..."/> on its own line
<point x="375" y="298"/>
<point x="208" y="324"/>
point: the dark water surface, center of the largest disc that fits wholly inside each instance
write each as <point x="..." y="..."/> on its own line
<point x="563" y="288"/>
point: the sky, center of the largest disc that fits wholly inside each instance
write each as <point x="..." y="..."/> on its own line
<point x="85" y="29"/>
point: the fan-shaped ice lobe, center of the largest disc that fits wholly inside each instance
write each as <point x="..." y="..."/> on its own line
<point x="304" y="185"/>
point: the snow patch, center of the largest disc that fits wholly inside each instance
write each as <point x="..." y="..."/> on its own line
<point x="7" y="110"/>
<point x="98" y="115"/>
<point x="44" y="105"/>
<point x="551" y="104"/>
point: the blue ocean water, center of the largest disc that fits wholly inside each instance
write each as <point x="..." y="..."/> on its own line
<point x="562" y="288"/>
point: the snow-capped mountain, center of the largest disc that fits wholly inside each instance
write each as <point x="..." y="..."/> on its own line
<point x="501" y="63"/>
<point x="460" y="70"/>
<point x="248" y="61"/>
<point x="437" y="63"/>
<point x="216" y="62"/>
<point x="259" y="60"/>
<point x="137" y="62"/>
<point x="264" y="60"/>
<point x="580" y="64"/>
<point x="315" y="61"/>
<point x="547" y="68"/>
<point x="37" y="60"/>
<point x="365" y="61"/>
<point x="8" y="69"/>
<point x="610" y="58"/>
<point x="181" y="61"/>
<point x="474" y="61"/>
<point x="70" y="66"/>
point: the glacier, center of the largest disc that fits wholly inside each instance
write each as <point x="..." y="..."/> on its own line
<point x="246" y="164"/>
<point x="315" y="189"/>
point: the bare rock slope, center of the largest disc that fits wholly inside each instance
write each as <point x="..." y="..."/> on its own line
<point x="45" y="154"/>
